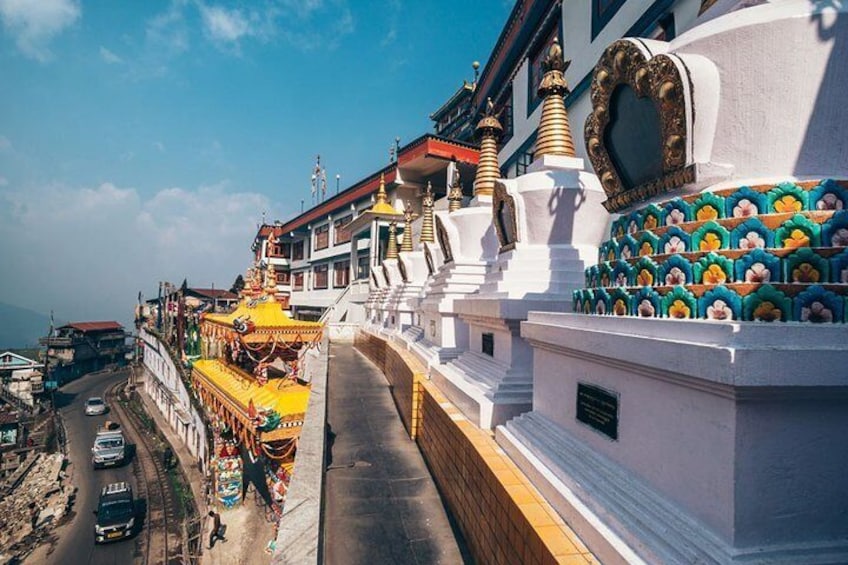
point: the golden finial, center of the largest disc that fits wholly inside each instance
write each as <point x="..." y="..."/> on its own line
<point x="554" y="137"/>
<point x="271" y="279"/>
<point x="489" y="130"/>
<point x="406" y="242"/>
<point x="381" y="204"/>
<point x="427" y="203"/>
<point x="382" y="197"/>
<point x="455" y="191"/>
<point x="392" y="249"/>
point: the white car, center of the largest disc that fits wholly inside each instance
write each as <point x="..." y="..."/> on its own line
<point x="95" y="406"/>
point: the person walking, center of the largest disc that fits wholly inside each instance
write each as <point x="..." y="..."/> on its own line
<point x="217" y="532"/>
<point x="168" y="457"/>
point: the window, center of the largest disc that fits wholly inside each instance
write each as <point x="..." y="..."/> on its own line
<point x="319" y="275"/>
<point x="322" y="237"/>
<point x="297" y="250"/>
<point x="283" y="277"/>
<point x="535" y="71"/>
<point x="297" y="281"/>
<point x="341" y="274"/>
<point x="602" y="13"/>
<point x="488" y="344"/>
<point x="341" y="235"/>
<point x="282" y="250"/>
<point x="362" y="268"/>
<point x="524" y="160"/>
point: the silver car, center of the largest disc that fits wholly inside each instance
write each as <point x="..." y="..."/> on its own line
<point x="95" y="406"/>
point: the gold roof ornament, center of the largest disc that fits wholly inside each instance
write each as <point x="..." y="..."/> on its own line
<point x="455" y="191"/>
<point x="382" y="206"/>
<point x="392" y="248"/>
<point x="427" y="204"/>
<point x="554" y="137"/>
<point x="270" y="279"/>
<point x="408" y="216"/>
<point x="489" y="130"/>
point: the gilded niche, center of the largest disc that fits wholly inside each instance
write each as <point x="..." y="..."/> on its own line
<point x="444" y="240"/>
<point x="638" y="132"/>
<point x="506" y="225"/>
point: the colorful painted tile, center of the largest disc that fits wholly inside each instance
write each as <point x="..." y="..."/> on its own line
<point x="652" y="217"/>
<point x="828" y="195"/>
<point x="676" y="212"/>
<point x="708" y="206"/>
<point x="787" y="197"/>
<point x="649" y="244"/>
<point x="720" y="304"/>
<point x="647" y="303"/>
<point x="744" y="203"/>
<point x="677" y="270"/>
<point x="751" y="234"/>
<point x="767" y="304"/>
<point x="819" y="306"/>
<point x="622" y="274"/>
<point x="758" y="266"/>
<point x="710" y="237"/>
<point x="608" y="251"/>
<point x="798" y="231"/>
<point x="834" y="232"/>
<point x="628" y="247"/>
<point x="601" y="302"/>
<point x="645" y="272"/>
<point x="713" y="269"/>
<point x="679" y="304"/>
<point x="675" y="240"/>
<point x="634" y="222"/>
<point x="805" y="266"/>
<point x="620" y="302"/>
<point x="839" y="267"/>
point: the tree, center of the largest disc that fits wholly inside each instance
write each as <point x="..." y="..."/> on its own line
<point x="238" y="285"/>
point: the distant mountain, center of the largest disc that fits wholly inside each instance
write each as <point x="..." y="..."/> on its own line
<point x="20" y="327"/>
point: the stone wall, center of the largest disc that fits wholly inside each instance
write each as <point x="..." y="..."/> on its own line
<point x="503" y="518"/>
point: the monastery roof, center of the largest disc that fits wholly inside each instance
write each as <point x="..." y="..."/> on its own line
<point x="428" y="145"/>
<point x="466" y="89"/>
<point x="94" y="326"/>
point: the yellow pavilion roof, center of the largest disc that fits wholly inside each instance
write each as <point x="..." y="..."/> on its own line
<point x="267" y="316"/>
<point x="236" y="389"/>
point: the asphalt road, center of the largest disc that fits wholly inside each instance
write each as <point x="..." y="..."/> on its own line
<point x="74" y="541"/>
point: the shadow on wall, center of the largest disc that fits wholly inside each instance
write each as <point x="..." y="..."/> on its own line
<point x="826" y="127"/>
<point x="562" y="206"/>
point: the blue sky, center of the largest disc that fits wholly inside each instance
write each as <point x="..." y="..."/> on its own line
<point x="141" y="141"/>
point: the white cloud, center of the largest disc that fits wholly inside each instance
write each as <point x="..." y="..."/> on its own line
<point x="225" y="26"/>
<point x="159" y="146"/>
<point x="33" y="23"/>
<point x="86" y="252"/>
<point x="109" y="57"/>
<point x="168" y="31"/>
<point x="5" y="144"/>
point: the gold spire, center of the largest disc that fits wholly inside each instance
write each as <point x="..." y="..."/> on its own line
<point x="270" y="279"/>
<point x="554" y="136"/>
<point x="406" y="243"/>
<point x="427" y="235"/>
<point x="392" y="250"/>
<point x="489" y="130"/>
<point x="382" y="206"/>
<point x="455" y="191"/>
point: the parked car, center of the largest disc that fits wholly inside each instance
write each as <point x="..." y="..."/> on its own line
<point x="115" y="513"/>
<point x="95" y="406"/>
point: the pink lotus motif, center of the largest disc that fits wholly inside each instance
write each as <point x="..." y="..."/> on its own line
<point x="675" y="276"/>
<point x="757" y="273"/>
<point x="675" y="245"/>
<point x="829" y="202"/>
<point x="625" y="252"/>
<point x="840" y="238"/>
<point x="675" y="217"/>
<point x="600" y="308"/>
<point x="646" y="309"/>
<point x="745" y="208"/>
<point x="752" y="240"/>
<point x="632" y="227"/>
<point x="719" y="310"/>
<point x="817" y="313"/>
<point x="621" y="279"/>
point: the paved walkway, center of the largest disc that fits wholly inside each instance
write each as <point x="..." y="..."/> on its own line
<point x="381" y="503"/>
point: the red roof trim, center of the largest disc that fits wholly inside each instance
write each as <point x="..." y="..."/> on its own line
<point x="94" y="326"/>
<point x="425" y="146"/>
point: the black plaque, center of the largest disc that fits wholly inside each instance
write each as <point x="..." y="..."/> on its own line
<point x="488" y="345"/>
<point x="598" y="409"/>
